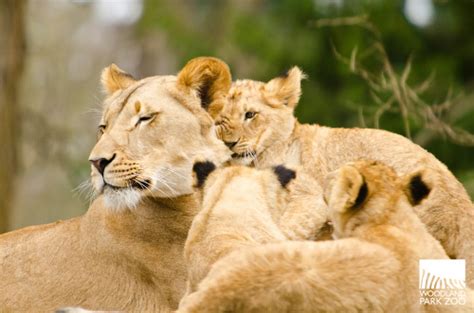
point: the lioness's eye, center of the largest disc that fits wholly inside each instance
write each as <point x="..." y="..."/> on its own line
<point x="102" y="129"/>
<point x="146" y="118"/>
<point x="249" y="115"/>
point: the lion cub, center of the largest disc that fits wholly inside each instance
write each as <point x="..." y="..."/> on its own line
<point x="241" y="208"/>
<point x="258" y="125"/>
<point x="372" y="268"/>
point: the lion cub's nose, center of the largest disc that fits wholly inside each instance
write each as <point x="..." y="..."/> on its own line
<point x="230" y="145"/>
<point x="101" y="163"/>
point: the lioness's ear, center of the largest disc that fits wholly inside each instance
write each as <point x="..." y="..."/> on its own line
<point x="285" y="89"/>
<point x="210" y="78"/>
<point x="202" y="171"/>
<point x="285" y="175"/>
<point x="346" y="189"/>
<point x="113" y="79"/>
<point x="416" y="186"/>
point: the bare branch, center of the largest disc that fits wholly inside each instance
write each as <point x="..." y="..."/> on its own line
<point x="358" y="20"/>
<point x="400" y="96"/>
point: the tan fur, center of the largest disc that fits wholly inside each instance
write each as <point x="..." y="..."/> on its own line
<point x="204" y="73"/>
<point x="274" y="136"/>
<point x="113" y="78"/>
<point x="241" y="208"/>
<point x="374" y="271"/>
<point x="285" y="89"/>
<point x="126" y="252"/>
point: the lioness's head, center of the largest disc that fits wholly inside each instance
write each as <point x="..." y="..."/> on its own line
<point x="370" y="193"/>
<point x="153" y="129"/>
<point x="256" y="115"/>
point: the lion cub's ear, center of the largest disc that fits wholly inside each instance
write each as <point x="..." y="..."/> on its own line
<point x="202" y="171"/>
<point x="285" y="89"/>
<point x="113" y="79"/>
<point x="285" y="175"/>
<point x="345" y="189"/>
<point x="417" y="186"/>
<point x="211" y="80"/>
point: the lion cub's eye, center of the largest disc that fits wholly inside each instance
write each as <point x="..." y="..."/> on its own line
<point x="250" y="114"/>
<point x="146" y="118"/>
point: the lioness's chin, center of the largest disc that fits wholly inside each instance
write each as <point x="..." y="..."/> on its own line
<point x="125" y="198"/>
<point x="119" y="199"/>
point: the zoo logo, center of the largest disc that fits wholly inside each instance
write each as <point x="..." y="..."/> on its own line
<point x="442" y="282"/>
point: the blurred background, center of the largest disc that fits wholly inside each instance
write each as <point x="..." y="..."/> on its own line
<point x="406" y="66"/>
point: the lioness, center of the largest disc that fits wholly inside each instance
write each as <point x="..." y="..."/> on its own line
<point x="257" y="123"/>
<point x="126" y="252"/>
<point x="374" y="268"/>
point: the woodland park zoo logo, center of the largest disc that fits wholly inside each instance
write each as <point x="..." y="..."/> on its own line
<point x="442" y="282"/>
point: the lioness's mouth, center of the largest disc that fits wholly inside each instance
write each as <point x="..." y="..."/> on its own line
<point x="136" y="184"/>
<point x="141" y="184"/>
<point x="107" y="185"/>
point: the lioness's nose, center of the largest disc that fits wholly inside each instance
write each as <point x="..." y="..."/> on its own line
<point x="101" y="163"/>
<point x="230" y="144"/>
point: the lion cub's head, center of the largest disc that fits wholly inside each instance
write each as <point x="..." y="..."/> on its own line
<point x="241" y="185"/>
<point x="257" y="114"/>
<point x="152" y="130"/>
<point x="370" y="193"/>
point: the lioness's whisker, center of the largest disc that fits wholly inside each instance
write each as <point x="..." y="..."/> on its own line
<point x="175" y="172"/>
<point x="165" y="183"/>
<point x="86" y="190"/>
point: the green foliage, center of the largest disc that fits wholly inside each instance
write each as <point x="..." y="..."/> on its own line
<point x="260" y="39"/>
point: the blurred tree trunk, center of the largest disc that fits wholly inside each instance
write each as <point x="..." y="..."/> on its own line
<point x="12" y="54"/>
